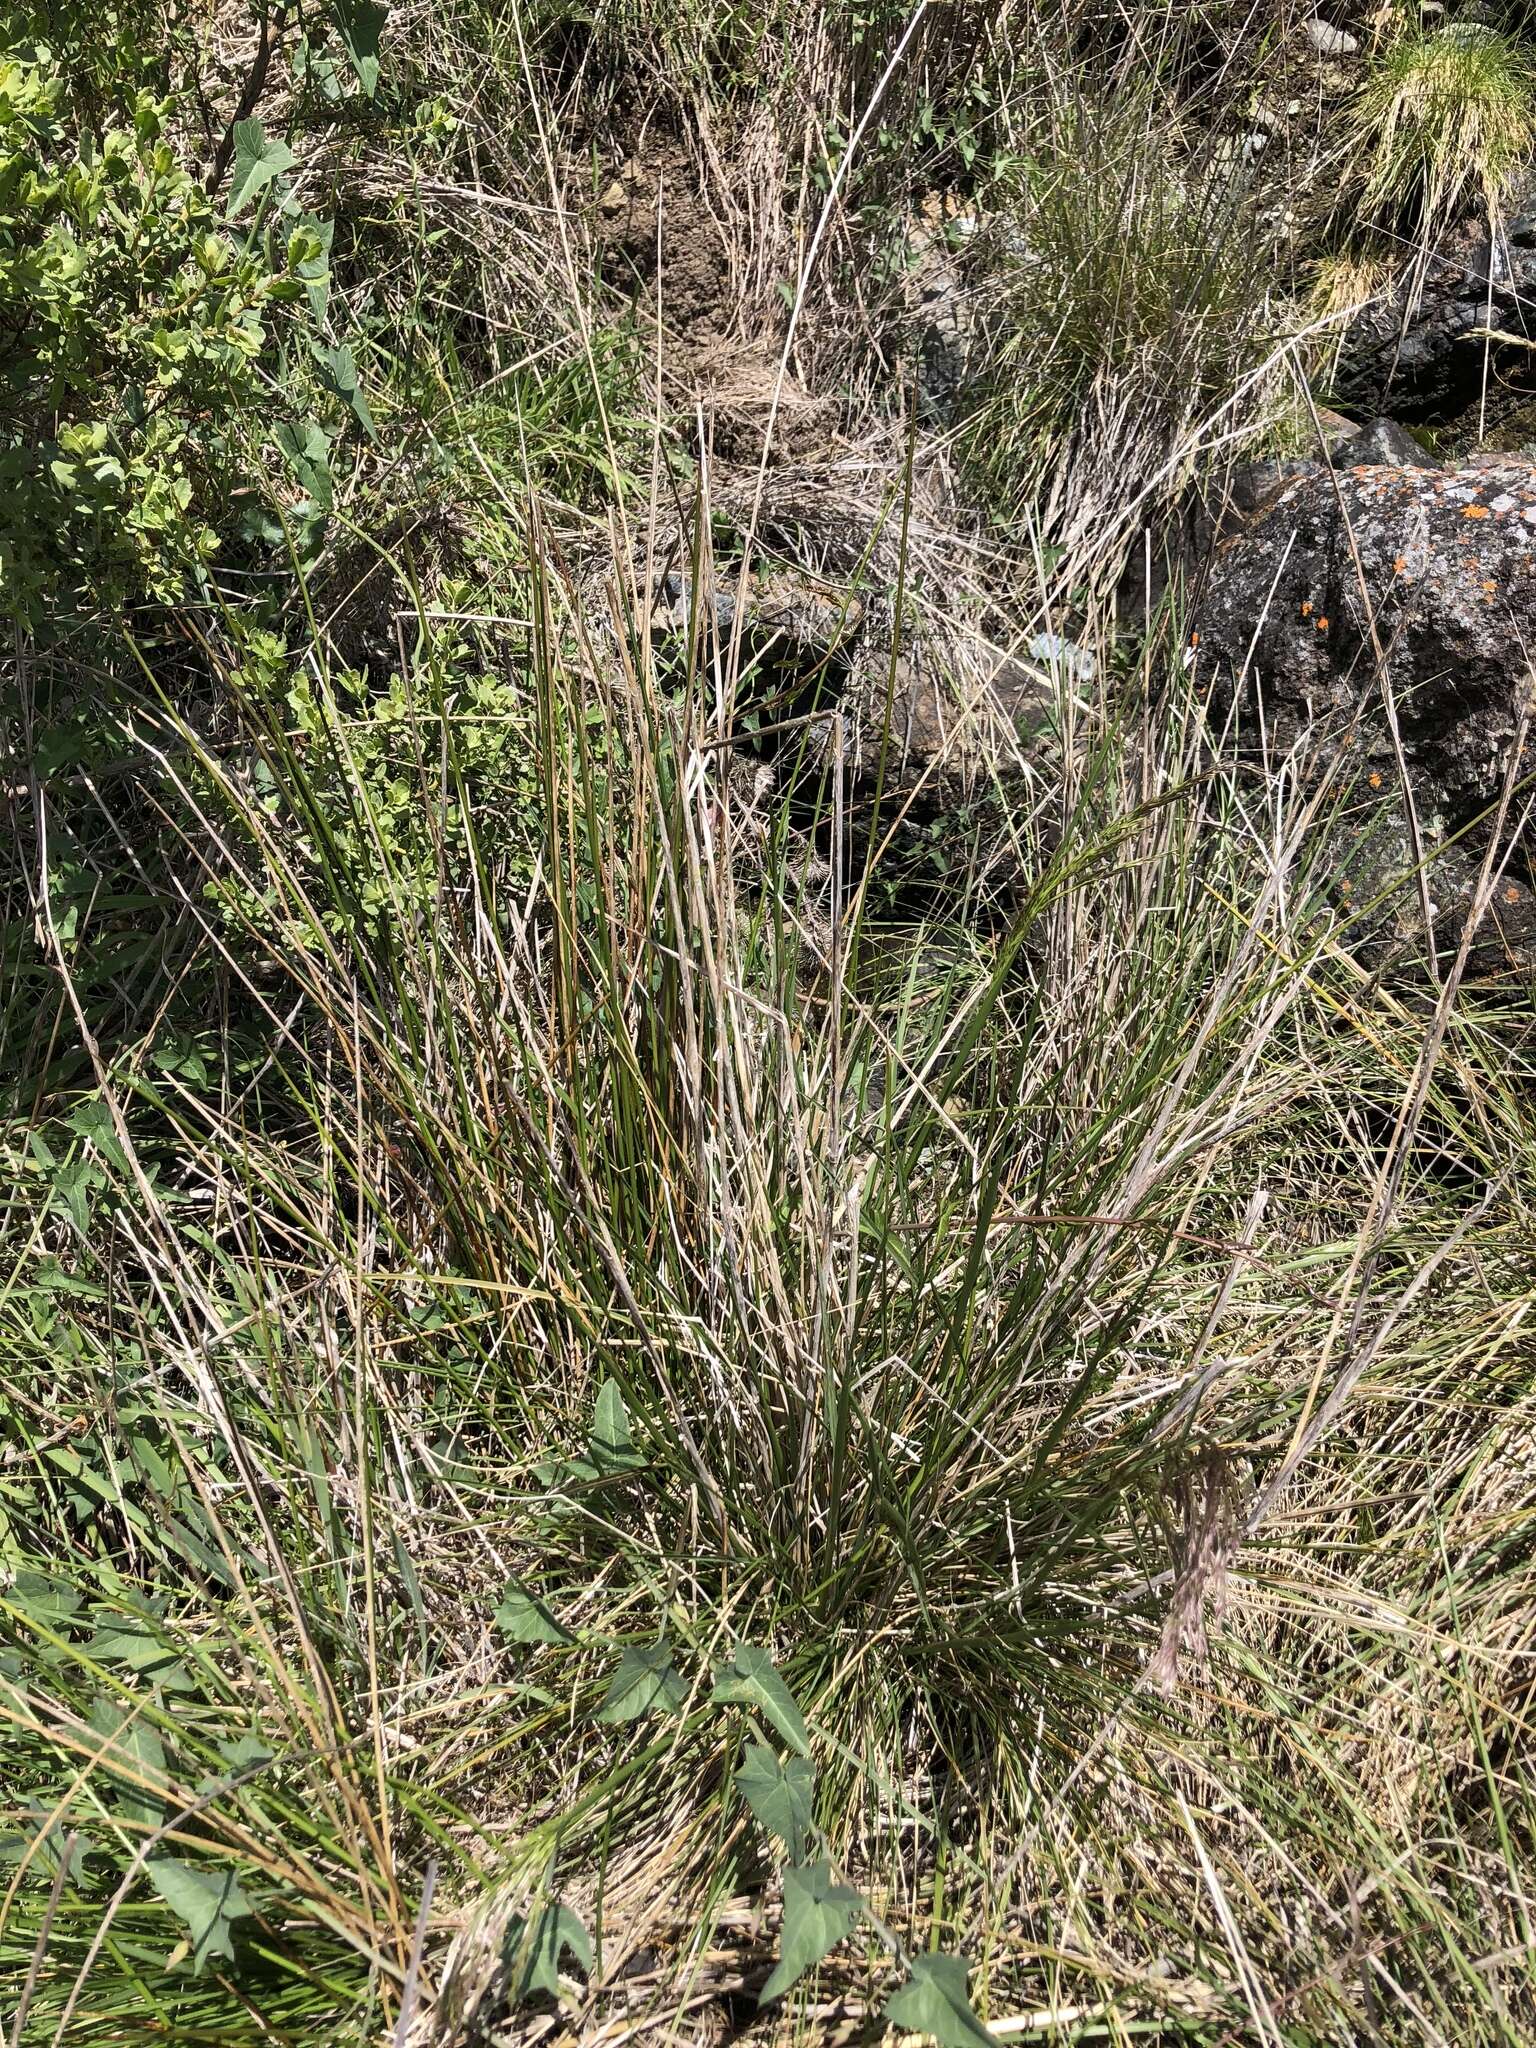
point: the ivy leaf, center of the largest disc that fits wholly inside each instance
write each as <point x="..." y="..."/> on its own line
<point x="314" y="271"/>
<point x="524" y="1619"/>
<point x="92" y="1120"/>
<point x="358" y="23"/>
<point x="338" y="373"/>
<point x="933" y="2001"/>
<point x="779" y="1794"/>
<point x="73" y="1183"/>
<point x="209" y="1901"/>
<point x="817" y="1914"/>
<point x="307" y="449"/>
<point x="610" y="1446"/>
<point x="556" y="1928"/>
<point x="750" y="1680"/>
<point x="133" y="1752"/>
<point x="646" y="1682"/>
<point x="257" y="163"/>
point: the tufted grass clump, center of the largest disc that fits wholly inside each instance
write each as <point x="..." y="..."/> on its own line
<point x="522" y="1161"/>
<point x="1441" y="122"/>
<point x="1130" y="295"/>
<point x="978" y="1302"/>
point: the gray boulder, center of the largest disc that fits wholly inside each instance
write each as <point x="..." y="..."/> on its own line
<point x="1384" y="442"/>
<point x="1442" y="564"/>
<point x="1421" y="351"/>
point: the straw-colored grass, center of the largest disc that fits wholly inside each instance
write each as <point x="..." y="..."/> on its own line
<point x="519" y="1154"/>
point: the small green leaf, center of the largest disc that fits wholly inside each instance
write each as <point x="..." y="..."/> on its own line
<point x="257" y="163"/>
<point x="312" y="64"/>
<point x="817" y="1915"/>
<point x="557" y="1928"/>
<point x="524" y="1619"/>
<point x="49" y="1602"/>
<point x="42" y="1843"/>
<point x="141" y="1651"/>
<point x="92" y="1120"/>
<point x="315" y="271"/>
<point x="246" y="1758"/>
<point x="338" y="373"/>
<point x="750" y="1680"/>
<point x="779" y="1794"/>
<point x="246" y="1753"/>
<point x="933" y="2001"/>
<point x="553" y="1472"/>
<point x="646" y="1682"/>
<point x="358" y="23"/>
<point x="72" y="1183"/>
<point x="610" y="1446"/>
<point x="133" y="1752"/>
<point x="208" y="1901"/>
<point x="307" y="449"/>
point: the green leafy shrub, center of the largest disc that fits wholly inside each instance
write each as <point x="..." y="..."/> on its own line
<point x="136" y="324"/>
<point x="371" y="787"/>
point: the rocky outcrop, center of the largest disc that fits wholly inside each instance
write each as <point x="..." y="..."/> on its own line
<point x="806" y="650"/>
<point x="1425" y="577"/>
<point x="1463" y="322"/>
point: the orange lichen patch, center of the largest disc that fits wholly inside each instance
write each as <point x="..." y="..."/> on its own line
<point x="1511" y="894"/>
<point x="1374" y="778"/>
<point x="1306" y="608"/>
<point x="1475" y="512"/>
<point x="1399" y="565"/>
<point x="1322" y="625"/>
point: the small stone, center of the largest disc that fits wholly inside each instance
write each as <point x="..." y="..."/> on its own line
<point x="1384" y="441"/>
<point x="1326" y="40"/>
<point x="1058" y="652"/>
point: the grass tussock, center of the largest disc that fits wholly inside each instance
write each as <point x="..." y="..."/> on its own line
<point x="1444" y="118"/>
<point x="1133" y="283"/>
<point x="629" y="1300"/>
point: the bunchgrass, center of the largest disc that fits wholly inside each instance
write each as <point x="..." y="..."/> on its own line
<point x="1073" y="1314"/>
<point x="967" y="1312"/>
<point x="1444" y="117"/>
<point x="1133" y="286"/>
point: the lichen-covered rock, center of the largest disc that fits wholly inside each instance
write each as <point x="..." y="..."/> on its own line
<point x="1437" y="569"/>
<point x="1452" y="330"/>
<point x="1382" y="441"/>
